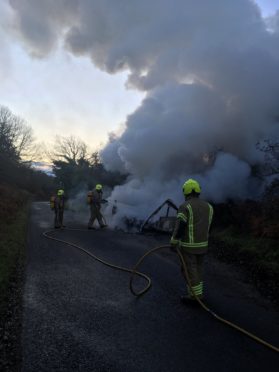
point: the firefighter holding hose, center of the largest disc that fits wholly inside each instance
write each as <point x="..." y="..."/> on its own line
<point x="95" y="199"/>
<point x="57" y="204"/>
<point x="190" y="236"/>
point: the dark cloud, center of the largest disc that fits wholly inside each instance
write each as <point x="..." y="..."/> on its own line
<point x="41" y="24"/>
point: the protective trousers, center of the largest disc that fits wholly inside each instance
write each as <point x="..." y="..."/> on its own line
<point x="95" y="212"/>
<point x="194" y="264"/>
<point x="58" y="219"/>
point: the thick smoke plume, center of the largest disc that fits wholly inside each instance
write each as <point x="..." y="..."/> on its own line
<point x="210" y="71"/>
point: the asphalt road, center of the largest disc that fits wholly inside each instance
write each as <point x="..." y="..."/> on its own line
<point x="80" y="315"/>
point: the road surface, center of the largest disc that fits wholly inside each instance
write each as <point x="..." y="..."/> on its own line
<point x="79" y="315"/>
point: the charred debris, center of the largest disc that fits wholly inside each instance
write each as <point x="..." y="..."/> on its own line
<point x="161" y="220"/>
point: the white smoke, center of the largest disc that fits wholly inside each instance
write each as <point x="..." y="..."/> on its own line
<point x="210" y="73"/>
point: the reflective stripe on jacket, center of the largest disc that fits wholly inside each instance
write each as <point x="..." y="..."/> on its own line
<point x="193" y="221"/>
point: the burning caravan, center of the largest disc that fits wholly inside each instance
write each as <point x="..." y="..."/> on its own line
<point x="162" y="219"/>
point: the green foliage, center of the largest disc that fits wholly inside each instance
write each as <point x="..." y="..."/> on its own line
<point x="271" y="201"/>
<point x="246" y="233"/>
<point x="22" y="177"/>
<point x="246" y="246"/>
<point x="11" y="201"/>
<point x="258" y="257"/>
<point x="270" y="148"/>
<point x="251" y="217"/>
<point x="73" y="173"/>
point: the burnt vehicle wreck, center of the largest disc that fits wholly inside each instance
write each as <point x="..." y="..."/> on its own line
<point x="162" y="219"/>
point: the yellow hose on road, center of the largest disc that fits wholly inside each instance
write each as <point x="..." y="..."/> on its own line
<point x="240" y="329"/>
<point x="46" y="235"/>
<point x="135" y="271"/>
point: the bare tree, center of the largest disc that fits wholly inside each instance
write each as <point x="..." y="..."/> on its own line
<point x="6" y="141"/>
<point x="16" y="137"/>
<point x="95" y="159"/>
<point x="69" y="149"/>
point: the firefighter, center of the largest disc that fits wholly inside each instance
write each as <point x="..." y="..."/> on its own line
<point x="59" y="204"/>
<point x="95" y="199"/>
<point x="190" y="236"/>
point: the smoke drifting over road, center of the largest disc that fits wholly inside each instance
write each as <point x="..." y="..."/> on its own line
<point x="210" y="71"/>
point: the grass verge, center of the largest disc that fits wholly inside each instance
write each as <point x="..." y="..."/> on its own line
<point x="259" y="258"/>
<point x="12" y="258"/>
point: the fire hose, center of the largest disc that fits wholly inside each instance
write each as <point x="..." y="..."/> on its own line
<point x="134" y="271"/>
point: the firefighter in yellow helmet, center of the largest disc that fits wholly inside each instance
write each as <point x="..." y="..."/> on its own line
<point x="58" y="205"/>
<point x="95" y="198"/>
<point x="190" y="235"/>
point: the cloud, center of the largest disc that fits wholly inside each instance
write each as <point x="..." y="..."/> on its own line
<point x="272" y="23"/>
<point x="40" y="25"/>
<point x="210" y="74"/>
<point x="5" y="57"/>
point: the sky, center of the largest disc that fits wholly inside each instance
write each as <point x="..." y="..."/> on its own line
<point x="62" y="93"/>
<point x="66" y="95"/>
<point x="203" y="89"/>
<point x="268" y="7"/>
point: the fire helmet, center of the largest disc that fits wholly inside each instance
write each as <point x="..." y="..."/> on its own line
<point x="190" y="186"/>
<point x="60" y="192"/>
<point x="99" y="187"/>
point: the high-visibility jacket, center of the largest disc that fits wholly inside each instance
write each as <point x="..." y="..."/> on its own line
<point x="59" y="202"/>
<point x="192" y="225"/>
<point x="96" y="198"/>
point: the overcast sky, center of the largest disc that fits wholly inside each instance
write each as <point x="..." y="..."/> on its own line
<point x="64" y="94"/>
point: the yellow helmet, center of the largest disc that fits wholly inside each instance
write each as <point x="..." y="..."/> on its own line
<point x="99" y="187"/>
<point x="60" y="192"/>
<point x="190" y="186"/>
